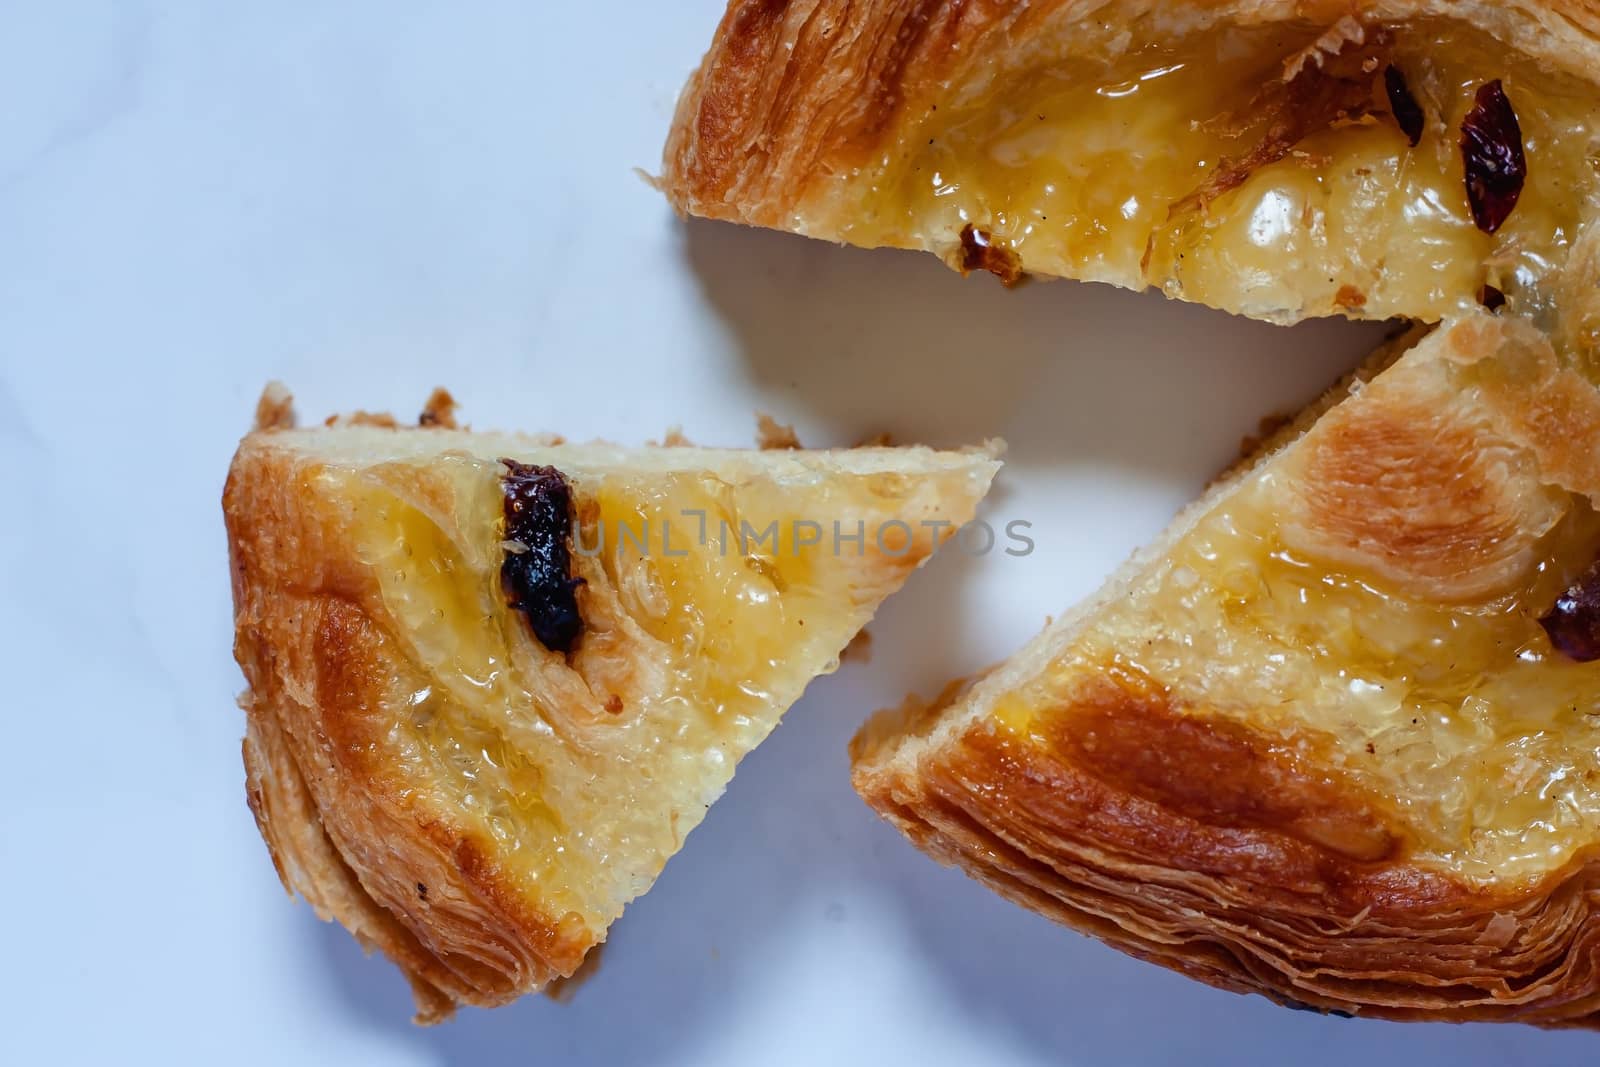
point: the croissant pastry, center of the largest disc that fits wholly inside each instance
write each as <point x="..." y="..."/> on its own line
<point x="494" y="680"/>
<point x="1277" y="159"/>
<point x="1335" y="738"/>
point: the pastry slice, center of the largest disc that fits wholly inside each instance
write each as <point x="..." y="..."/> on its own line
<point x="1336" y="737"/>
<point x="1280" y="160"/>
<point x="494" y="680"/>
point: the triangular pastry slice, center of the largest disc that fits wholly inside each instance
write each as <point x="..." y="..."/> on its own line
<point x="1280" y="160"/>
<point x="494" y="680"/>
<point x="1335" y="738"/>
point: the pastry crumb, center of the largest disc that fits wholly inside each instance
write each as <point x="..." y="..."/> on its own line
<point x="772" y="435"/>
<point x="439" y="411"/>
<point x="275" y="409"/>
<point x="381" y="419"/>
<point x="675" y="438"/>
<point x="980" y="250"/>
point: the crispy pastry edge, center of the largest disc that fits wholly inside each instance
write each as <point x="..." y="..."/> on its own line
<point x="1289" y="895"/>
<point x="1258" y="909"/>
<point x="342" y="830"/>
<point x="792" y="92"/>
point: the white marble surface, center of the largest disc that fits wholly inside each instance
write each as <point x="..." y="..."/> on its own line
<point x="365" y="199"/>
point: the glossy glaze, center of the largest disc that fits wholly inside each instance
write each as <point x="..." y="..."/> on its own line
<point x="1481" y="740"/>
<point x="1078" y="166"/>
<point x="586" y="771"/>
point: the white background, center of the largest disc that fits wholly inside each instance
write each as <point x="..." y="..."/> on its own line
<point x="368" y="199"/>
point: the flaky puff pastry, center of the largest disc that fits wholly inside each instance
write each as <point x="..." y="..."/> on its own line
<point x="1275" y="159"/>
<point x="1335" y="738"/>
<point x="495" y="680"/>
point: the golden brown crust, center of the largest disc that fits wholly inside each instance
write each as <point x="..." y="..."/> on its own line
<point x="414" y="816"/>
<point x="792" y="89"/>
<point x="318" y="668"/>
<point x="793" y="92"/>
<point x="308" y="864"/>
<point x="1219" y="827"/>
<point x="1445" y="475"/>
<point x="1219" y="774"/>
<point x="1237" y="153"/>
<point x="1228" y="839"/>
<point x="1248" y="906"/>
<point x="1228" y="886"/>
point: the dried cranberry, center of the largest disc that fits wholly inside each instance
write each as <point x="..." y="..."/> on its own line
<point x="1408" y="114"/>
<point x="1491" y="148"/>
<point x="1574" y="622"/>
<point x="536" y="573"/>
<point x="980" y="252"/>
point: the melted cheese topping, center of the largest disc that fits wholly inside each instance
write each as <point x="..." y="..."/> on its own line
<point x="586" y="774"/>
<point x="1081" y="167"/>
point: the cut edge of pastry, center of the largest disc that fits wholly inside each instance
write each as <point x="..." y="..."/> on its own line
<point x="896" y="737"/>
<point x="869" y="124"/>
<point x="1313" y="920"/>
<point x="320" y="660"/>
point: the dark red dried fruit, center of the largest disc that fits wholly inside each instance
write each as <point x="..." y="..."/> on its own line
<point x="1491" y="148"/>
<point x="1408" y="114"/>
<point x="1491" y="298"/>
<point x="1574" y="622"/>
<point x="536" y="574"/>
<point x="979" y="252"/>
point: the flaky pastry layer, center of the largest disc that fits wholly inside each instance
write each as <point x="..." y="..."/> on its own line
<point x="1242" y="155"/>
<point x="1318" y="742"/>
<point x="427" y="771"/>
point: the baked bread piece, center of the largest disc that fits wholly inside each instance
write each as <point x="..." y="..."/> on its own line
<point x="1273" y="158"/>
<point x="494" y="680"/>
<point x="1335" y="738"/>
